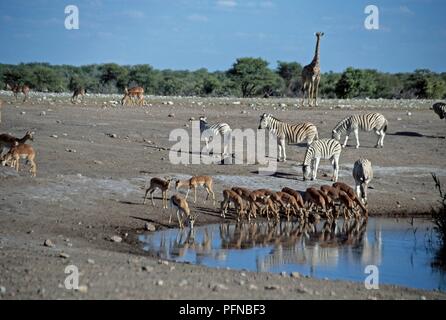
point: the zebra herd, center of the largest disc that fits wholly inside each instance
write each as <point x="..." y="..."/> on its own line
<point x="317" y="149"/>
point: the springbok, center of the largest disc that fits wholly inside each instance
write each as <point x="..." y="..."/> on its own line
<point x="21" y="151"/>
<point x="137" y="92"/>
<point x="7" y="141"/>
<point x="182" y="207"/>
<point x="194" y="183"/>
<point x="158" y="183"/>
<point x="229" y="197"/>
<point x="15" y="88"/>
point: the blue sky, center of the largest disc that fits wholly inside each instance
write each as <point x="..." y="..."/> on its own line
<point x="191" y="34"/>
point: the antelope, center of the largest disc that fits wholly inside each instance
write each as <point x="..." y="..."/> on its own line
<point x="290" y="203"/>
<point x="78" y="92"/>
<point x="158" y="183"/>
<point x="133" y="92"/>
<point x="297" y="196"/>
<point x="351" y="193"/>
<point x="347" y="203"/>
<point x="229" y="197"/>
<point x="15" y="88"/>
<point x="313" y="197"/>
<point x="8" y="141"/>
<point x="264" y="203"/>
<point x="182" y="207"/>
<point x="21" y="151"/>
<point x="274" y="197"/>
<point x="245" y="194"/>
<point x="194" y="183"/>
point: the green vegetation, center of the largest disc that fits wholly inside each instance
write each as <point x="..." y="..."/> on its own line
<point x="247" y="77"/>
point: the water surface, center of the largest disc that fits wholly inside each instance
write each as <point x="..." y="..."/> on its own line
<point x="402" y="249"/>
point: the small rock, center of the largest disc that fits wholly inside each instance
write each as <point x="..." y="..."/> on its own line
<point x="149" y="227"/>
<point x="236" y="102"/>
<point x="64" y="255"/>
<point x="98" y="162"/>
<point x="90" y="261"/>
<point x="82" y="289"/>
<point x="113" y="135"/>
<point x="243" y="274"/>
<point x="147" y="268"/>
<point x="164" y="262"/>
<point x="48" y="243"/>
<point x="295" y="275"/>
<point x="219" y="287"/>
<point x="71" y="150"/>
<point x="272" y="287"/>
<point x="171" y="115"/>
<point x="170" y="103"/>
<point x="399" y="119"/>
<point x="116" y="239"/>
<point x="160" y="283"/>
<point x="43" y="113"/>
<point x="409" y="113"/>
<point x="243" y="112"/>
<point x="252" y="287"/>
<point x="55" y="136"/>
<point x="23" y="112"/>
<point x="413" y="198"/>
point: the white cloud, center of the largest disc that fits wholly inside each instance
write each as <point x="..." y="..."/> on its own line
<point x="227" y="3"/>
<point x="197" y="18"/>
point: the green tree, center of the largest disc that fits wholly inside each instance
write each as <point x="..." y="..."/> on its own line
<point x="252" y="75"/>
<point x="113" y="75"/>
<point x="291" y="74"/>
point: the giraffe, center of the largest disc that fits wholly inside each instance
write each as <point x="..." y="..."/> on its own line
<point x="311" y="75"/>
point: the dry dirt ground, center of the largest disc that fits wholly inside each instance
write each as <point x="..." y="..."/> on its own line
<point x="95" y="158"/>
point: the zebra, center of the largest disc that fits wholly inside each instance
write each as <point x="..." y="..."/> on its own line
<point x="365" y="122"/>
<point x="321" y="149"/>
<point x="294" y="133"/>
<point x="208" y="131"/>
<point x="440" y="109"/>
<point x="363" y="174"/>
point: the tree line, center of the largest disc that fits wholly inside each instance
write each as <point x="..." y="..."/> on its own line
<point x="248" y="77"/>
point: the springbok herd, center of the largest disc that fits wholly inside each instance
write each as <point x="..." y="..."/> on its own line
<point x="328" y="201"/>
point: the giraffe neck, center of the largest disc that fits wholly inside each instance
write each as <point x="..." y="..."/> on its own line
<point x="316" y="52"/>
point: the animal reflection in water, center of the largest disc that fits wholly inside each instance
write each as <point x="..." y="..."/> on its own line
<point x="290" y="242"/>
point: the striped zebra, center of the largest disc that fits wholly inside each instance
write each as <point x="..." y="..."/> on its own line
<point x="209" y="131"/>
<point x="321" y="149"/>
<point x="293" y="133"/>
<point x="440" y="109"/>
<point x="363" y="174"/>
<point x="365" y="122"/>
